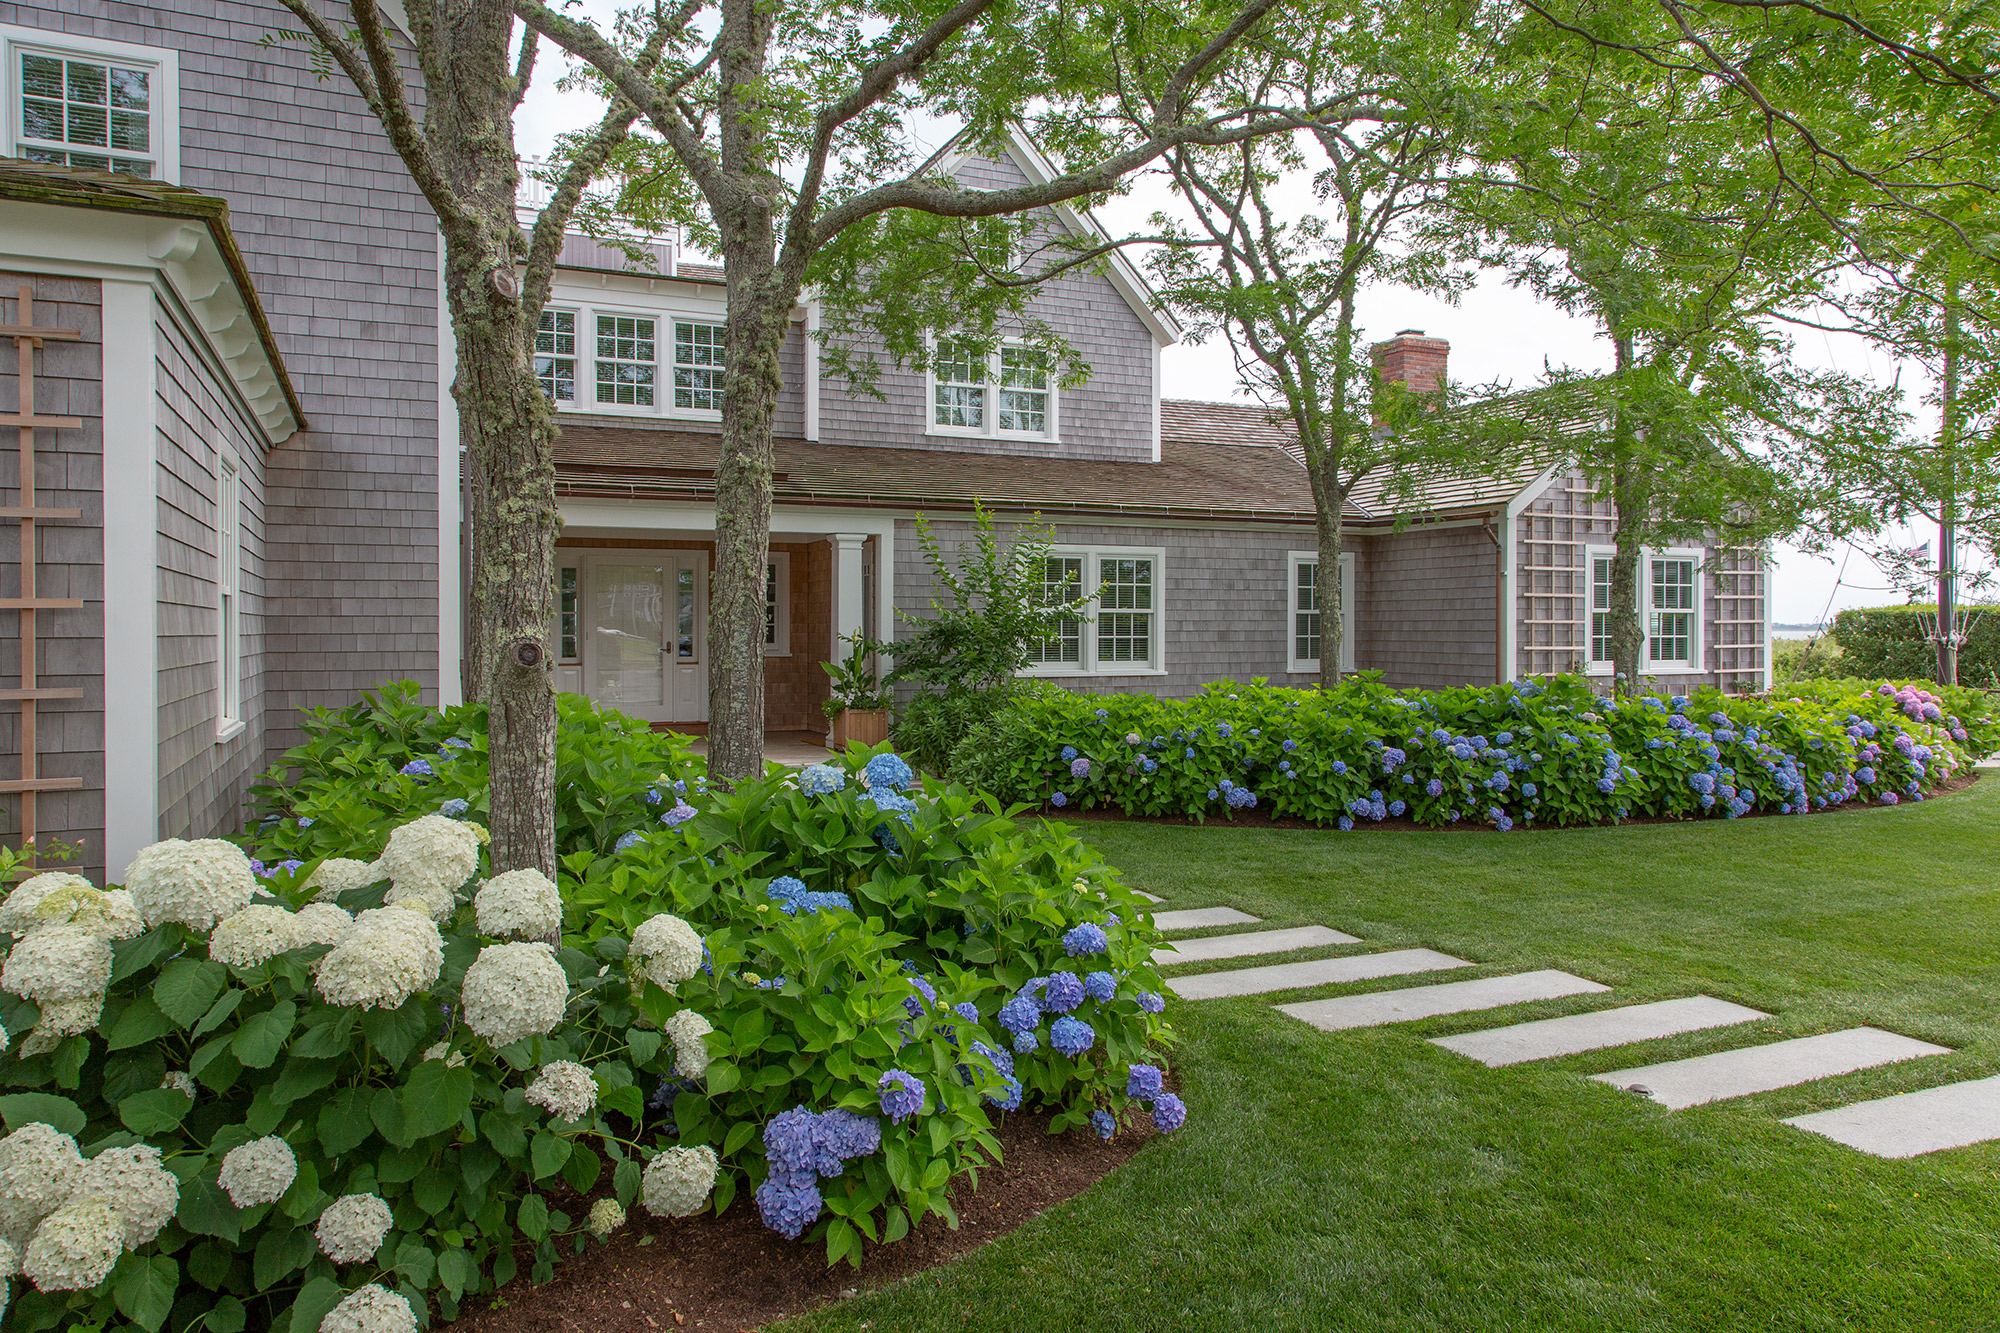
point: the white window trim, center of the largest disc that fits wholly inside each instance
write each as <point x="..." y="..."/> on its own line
<point x="664" y="318"/>
<point x="1304" y="665"/>
<point x="1697" y="646"/>
<point x="783" y="647"/>
<point x="228" y="597"/>
<point x="991" y="429"/>
<point x="1093" y="579"/>
<point x="164" y="63"/>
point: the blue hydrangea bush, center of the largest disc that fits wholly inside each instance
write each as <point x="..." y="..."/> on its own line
<point x="1546" y="752"/>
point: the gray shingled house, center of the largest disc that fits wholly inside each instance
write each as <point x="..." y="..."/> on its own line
<point x="230" y="386"/>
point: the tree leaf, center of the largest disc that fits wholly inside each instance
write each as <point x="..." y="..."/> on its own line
<point x="548" y="1154"/>
<point x="434" y="1099"/>
<point x="144" y="1289"/>
<point x="141" y="1022"/>
<point x="262" y="1036"/>
<point x="155" y="1112"/>
<point x="22" y="1108"/>
<point x="186" y="988"/>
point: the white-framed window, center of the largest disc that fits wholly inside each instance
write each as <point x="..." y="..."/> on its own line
<point x="698" y="364"/>
<point x="1304" y="621"/>
<point x="1009" y="393"/>
<point x="569" y="625"/>
<point x="1669" y="605"/>
<point x="229" y="599"/>
<point x="1122" y="632"/>
<point x="778" y="605"/>
<point x="628" y="356"/>
<point x="555" y="355"/>
<point x="81" y="102"/>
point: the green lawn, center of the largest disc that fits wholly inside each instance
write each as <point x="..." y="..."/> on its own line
<point x="1367" y="1180"/>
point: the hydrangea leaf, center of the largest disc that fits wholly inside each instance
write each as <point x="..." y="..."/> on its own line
<point x="262" y="1036"/>
<point x="144" y="1289"/>
<point x="154" y="1112"/>
<point x="280" y="1254"/>
<point x="644" y="1045"/>
<point x="21" y="1108"/>
<point x="344" y="1121"/>
<point x="227" y="1316"/>
<point x="141" y="1022"/>
<point x="533" y="1217"/>
<point x="505" y="1133"/>
<point x="206" y="1211"/>
<point x="130" y="957"/>
<point x="326" y="1035"/>
<point x="301" y="1078"/>
<point x="187" y="987"/>
<point x="415" y="1262"/>
<point x="434" y="1099"/>
<point x="316" y="1300"/>
<point x="582" y="1169"/>
<point x="457" y="1271"/>
<point x="625" y="1181"/>
<point x="548" y="1154"/>
<point x="219" y="1012"/>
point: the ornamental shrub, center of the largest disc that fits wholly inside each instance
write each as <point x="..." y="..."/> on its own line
<point x="1548" y="752"/>
<point x="1893" y="642"/>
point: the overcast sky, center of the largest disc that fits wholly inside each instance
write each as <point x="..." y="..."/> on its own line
<point x="1497" y="333"/>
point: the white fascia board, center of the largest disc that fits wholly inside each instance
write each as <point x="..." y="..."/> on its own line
<point x="180" y="256"/>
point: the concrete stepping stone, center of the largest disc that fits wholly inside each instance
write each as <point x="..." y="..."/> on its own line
<point x="1149" y="897"/>
<point x="1250" y="943"/>
<point x="1414" y="1002"/>
<point x="1777" y="1064"/>
<point x="1319" y="972"/>
<point x="1551" y="1037"/>
<point x="1196" y="918"/>
<point x="1914" y="1123"/>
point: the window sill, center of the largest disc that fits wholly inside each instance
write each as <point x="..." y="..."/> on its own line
<point x="1675" y="671"/>
<point x="1100" y="673"/>
<point x="997" y="437"/>
<point x="229" y="728"/>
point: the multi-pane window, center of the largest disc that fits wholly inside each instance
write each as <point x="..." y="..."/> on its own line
<point x="1671" y="619"/>
<point x="960" y="394"/>
<point x="698" y="361"/>
<point x="1305" y="611"/>
<point x="567" y="646"/>
<point x="771" y="605"/>
<point x="229" y="570"/>
<point x="555" y="355"/>
<point x="1600" y="608"/>
<point x="778" y="604"/>
<point x="1062" y="583"/>
<point x="92" y="113"/>
<point x="1024" y="390"/>
<point x="627" y="356"/>
<point x="1125" y="610"/>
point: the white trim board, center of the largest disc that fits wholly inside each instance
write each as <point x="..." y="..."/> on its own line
<point x="131" y="577"/>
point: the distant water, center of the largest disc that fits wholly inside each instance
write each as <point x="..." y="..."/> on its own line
<point x="1796" y="633"/>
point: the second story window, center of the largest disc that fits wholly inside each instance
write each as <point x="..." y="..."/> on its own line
<point x="1005" y="394"/>
<point x="626" y="359"/>
<point x="698" y="363"/>
<point x="555" y="355"/>
<point x="100" y="106"/>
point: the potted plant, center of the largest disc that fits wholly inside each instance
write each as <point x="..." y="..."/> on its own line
<point x="858" y="705"/>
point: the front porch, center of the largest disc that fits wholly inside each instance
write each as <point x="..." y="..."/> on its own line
<point x="794" y="749"/>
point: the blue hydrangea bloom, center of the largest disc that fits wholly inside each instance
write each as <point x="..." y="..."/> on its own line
<point x="417" y="768"/>
<point x="1222" y="729"/>
<point x="652" y="796"/>
<point x="305" y="821"/>
<point x="915" y="1007"/>
<point x="903" y="1095"/>
<point x="1080" y="768"/>
<point x="1063" y="994"/>
<point x="887" y="772"/>
<point x="1010" y="1098"/>
<point x="821" y="780"/>
<point x="814" y="903"/>
<point x="628" y="840"/>
<point x="1058" y="800"/>
<point x="680" y="814"/>
<point x="1024" y="1042"/>
<point x="1435" y="787"/>
<point x="1105" y="1123"/>
<point x="1345" y="824"/>
<point x="1242" y="798"/>
<point x="1068" y="753"/>
<point x="788" y="891"/>
<point x="1397" y="808"/>
<point x="456" y="743"/>
<point x="788" y="1209"/>
<point x="966" y="1010"/>
<point x="1072" y="1036"/>
<point x="1290" y="746"/>
<point x="1020" y="1014"/>
<point x="1144" y="1082"/>
<point x="1213" y="794"/>
<point x="1169" y="1112"/>
<point x="1152" y="1001"/>
<point x="1002" y="1060"/>
<point x="1087" y="938"/>
<point x="1340" y="766"/>
<point x="1100" y="986"/>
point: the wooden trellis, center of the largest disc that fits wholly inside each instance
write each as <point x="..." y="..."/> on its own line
<point x="27" y="338"/>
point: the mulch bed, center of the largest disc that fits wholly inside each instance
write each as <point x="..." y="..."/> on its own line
<point x="1258" y="819"/>
<point x="731" y="1273"/>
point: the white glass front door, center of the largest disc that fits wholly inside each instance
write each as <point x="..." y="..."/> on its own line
<point x="642" y="636"/>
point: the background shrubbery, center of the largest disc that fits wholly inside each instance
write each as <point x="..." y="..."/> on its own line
<point x="1551" y="752"/>
<point x="1889" y="643"/>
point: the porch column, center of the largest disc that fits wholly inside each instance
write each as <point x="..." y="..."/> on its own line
<point x="846" y="618"/>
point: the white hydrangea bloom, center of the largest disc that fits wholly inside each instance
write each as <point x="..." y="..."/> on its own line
<point x="443" y="1051"/>
<point x="677" y="1182"/>
<point x="340" y="874"/>
<point x="180" y="1081"/>
<point x="390" y="954"/>
<point x="123" y="911"/>
<point x="56" y="963"/>
<point x="10" y="1266"/>
<point x="669" y="947"/>
<point x="321" y="923"/>
<point x="514" y="991"/>
<point x="5" y="1041"/>
<point x="196" y="883"/>
<point x="39" y="1165"/>
<point x="565" y="1089"/>
<point x="75" y="1247"/>
<point x="258" y="1172"/>
<point x="17" y="914"/>
<point x="352" y="1227"/>
<point x="133" y="1184"/>
<point x="255" y="935"/>
<point x="606" y="1216"/>
<point x="520" y="902"/>
<point x="685" y="1029"/>
<point x="371" y="1309"/>
<point x="429" y="859"/>
<point x="61" y="1019"/>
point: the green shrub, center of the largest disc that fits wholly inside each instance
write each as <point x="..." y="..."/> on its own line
<point x="929" y="727"/>
<point x="1891" y="643"/>
<point x="1549" y="752"/>
<point x="1805" y="659"/>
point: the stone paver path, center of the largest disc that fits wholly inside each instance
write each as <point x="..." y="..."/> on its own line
<point x="1778" y="1064"/>
<point x="1321" y="972"/>
<point x="1197" y="918"/>
<point x="1414" y="1002"/>
<point x="1914" y="1123"/>
<point x="1551" y="1037"/>
<point x="1149" y="897"/>
<point x="1249" y="943"/>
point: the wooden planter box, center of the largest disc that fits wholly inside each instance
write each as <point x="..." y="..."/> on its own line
<point x="870" y="726"/>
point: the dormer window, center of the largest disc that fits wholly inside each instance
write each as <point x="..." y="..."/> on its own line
<point x="1006" y="394"/>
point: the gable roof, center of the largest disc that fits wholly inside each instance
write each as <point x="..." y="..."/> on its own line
<point x="1193" y="479"/>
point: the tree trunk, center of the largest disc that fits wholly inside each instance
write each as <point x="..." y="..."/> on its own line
<point x="1628" y="629"/>
<point x="1327" y="586"/>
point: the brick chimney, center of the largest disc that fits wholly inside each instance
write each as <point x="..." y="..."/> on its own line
<point x="1413" y="360"/>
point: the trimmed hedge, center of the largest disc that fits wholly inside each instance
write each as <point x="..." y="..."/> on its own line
<point x="1540" y="752"/>
<point x="1889" y="642"/>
